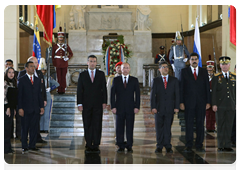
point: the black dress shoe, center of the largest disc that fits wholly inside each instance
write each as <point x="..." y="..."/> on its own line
<point x="42" y="141"/>
<point x="88" y="150"/>
<point x="96" y="150"/>
<point x="187" y="150"/>
<point x="34" y="149"/>
<point x="25" y="150"/>
<point x="228" y="149"/>
<point x="169" y="150"/>
<point x="129" y="150"/>
<point x="120" y="150"/>
<point x="220" y="150"/>
<point x="158" y="150"/>
<point x="200" y="150"/>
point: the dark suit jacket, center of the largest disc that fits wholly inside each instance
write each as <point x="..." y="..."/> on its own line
<point x="165" y="100"/>
<point x="29" y="96"/>
<point x="194" y="92"/>
<point x="40" y="76"/>
<point x="91" y="94"/>
<point x="125" y="99"/>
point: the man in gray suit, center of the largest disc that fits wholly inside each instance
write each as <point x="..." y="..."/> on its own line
<point x="165" y="102"/>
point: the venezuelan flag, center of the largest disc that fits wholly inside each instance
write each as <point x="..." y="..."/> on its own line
<point x="36" y="43"/>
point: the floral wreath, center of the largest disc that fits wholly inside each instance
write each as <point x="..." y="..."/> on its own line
<point x="114" y="52"/>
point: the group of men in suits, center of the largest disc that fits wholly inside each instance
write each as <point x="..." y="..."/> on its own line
<point x="92" y="99"/>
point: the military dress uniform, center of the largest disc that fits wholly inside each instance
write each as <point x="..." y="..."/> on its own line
<point x="160" y="57"/>
<point x="224" y="97"/>
<point x="176" y="57"/>
<point x="61" y="63"/>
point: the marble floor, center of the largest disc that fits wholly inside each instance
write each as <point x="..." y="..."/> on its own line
<point x="69" y="149"/>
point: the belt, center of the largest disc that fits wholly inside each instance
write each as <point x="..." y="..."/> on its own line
<point x="178" y="57"/>
<point x="56" y="56"/>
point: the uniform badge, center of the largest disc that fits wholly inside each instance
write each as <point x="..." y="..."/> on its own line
<point x="219" y="79"/>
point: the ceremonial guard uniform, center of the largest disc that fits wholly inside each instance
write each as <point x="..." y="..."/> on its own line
<point x="210" y="114"/>
<point x="60" y="61"/>
<point x="224" y="98"/>
<point x="176" y="56"/>
<point x="161" y="56"/>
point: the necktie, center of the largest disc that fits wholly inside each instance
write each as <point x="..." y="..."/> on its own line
<point x="165" y="82"/>
<point x="92" y="76"/>
<point x="125" y="82"/>
<point x="226" y="76"/>
<point x="31" y="80"/>
<point x="195" y="74"/>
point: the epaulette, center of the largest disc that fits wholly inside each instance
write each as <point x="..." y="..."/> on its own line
<point x="233" y="73"/>
<point x="111" y="76"/>
<point x="216" y="74"/>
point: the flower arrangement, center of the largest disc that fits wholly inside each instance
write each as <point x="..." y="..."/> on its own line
<point x="114" y="52"/>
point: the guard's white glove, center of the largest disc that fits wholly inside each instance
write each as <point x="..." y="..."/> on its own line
<point x="48" y="89"/>
<point x="66" y="59"/>
<point x="185" y="60"/>
<point x="173" y="67"/>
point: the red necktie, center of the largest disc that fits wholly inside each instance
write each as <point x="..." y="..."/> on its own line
<point x="165" y="82"/>
<point x="195" y="74"/>
<point x="92" y="76"/>
<point x="31" y="80"/>
<point x="125" y="82"/>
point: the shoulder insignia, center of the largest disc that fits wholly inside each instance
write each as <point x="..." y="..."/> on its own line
<point x="217" y="74"/>
<point x="233" y="73"/>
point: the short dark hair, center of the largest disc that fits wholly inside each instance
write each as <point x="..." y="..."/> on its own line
<point x="194" y="54"/>
<point x="9" y="60"/>
<point x="27" y="63"/>
<point x="92" y="56"/>
<point x="161" y="63"/>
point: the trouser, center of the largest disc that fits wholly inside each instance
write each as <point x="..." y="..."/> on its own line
<point x="121" y="119"/>
<point x="115" y="125"/>
<point x="92" y="123"/>
<point x="30" y="123"/>
<point x="163" y="124"/>
<point x="225" y="120"/>
<point x="45" y="118"/>
<point x="7" y="130"/>
<point x="210" y="119"/>
<point x="61" y="77"/>
<point x="198" y="112"/>
<point x="233" y="136"/>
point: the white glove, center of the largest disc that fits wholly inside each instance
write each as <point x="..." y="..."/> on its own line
<point x="48" y="89"/>
<point x="185" y="60"/>
<point x="66" y="59"/>
<point x="173" y="67"/>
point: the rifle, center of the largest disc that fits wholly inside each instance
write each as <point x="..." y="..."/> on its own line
<point x="65" y="39"/>
<point x="182" y="37"/>
<point x="215" y="60"/>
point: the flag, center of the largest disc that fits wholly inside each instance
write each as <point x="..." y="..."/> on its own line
<point x="36" y="43"/>
<point x="233" y="25"/>
<point x="197" y="43"/>
<point x="45" y="14"/>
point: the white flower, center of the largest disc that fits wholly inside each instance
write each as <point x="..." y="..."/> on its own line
<point x="111" y="52"/>
<point x="117" y="53"/>
<point x="115" y="60"/>
<point x="113" y="49"/>
<point x="114" y="53"/>
<point x="118" y="47"/>
<point x="111" y="45"/>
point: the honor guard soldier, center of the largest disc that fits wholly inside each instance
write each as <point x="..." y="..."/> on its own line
<point x="177" y="56"/>
<point x="61" y="53"/>
<point x="161" y="56"/>
<point x="224" y="103"/>
<point x="210" y="114"/>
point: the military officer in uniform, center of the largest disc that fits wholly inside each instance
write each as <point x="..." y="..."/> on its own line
<point x="177" y="56"/>
<point x="224" y="103"/>
<point x="109" y="85"/>
<point x="60" y="61"/>
<point x="161" y="56"/>
<point x="210" y="114"/>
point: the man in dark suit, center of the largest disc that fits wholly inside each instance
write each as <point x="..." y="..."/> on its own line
<point x="91" y="100"/>
<point x="224" y="103"/>
<point x="30" y="105"/>
<point x="194" y="99"/>
<point x="165" y="102"/>
<point x="38" y="74"/>
<point x="125" y="103"/>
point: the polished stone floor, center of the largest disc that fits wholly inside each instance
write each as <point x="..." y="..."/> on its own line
<point x="69" y="149"/>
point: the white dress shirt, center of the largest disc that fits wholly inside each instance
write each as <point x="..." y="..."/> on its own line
<point x="166" y="78"/>
<point x="224" y="74"/>
<point x="193" y="70"/>
<point x="90" y="72"/>
<point x="127" y="77"/>
<point x="30" y="77"/>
